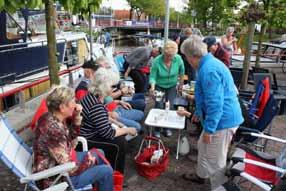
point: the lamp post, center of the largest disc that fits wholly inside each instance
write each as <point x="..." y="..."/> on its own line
<point x="167" y="16"/>
<point x="194" y="14"/>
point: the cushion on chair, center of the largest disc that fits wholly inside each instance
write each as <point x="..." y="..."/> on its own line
<point x="261" y="155"/>
<point x="263" y="174"/>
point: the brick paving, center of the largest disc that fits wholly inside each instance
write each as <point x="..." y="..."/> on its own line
<point x="170" y="180"/>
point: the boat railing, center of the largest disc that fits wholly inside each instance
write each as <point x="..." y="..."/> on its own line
<point x="36" y="82"/>
<point x="26" y="45"/>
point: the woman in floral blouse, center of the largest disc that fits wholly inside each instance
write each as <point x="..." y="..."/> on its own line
<point x="55" y="141"/>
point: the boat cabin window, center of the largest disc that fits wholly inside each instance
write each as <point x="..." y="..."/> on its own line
<point x="71" y="57"/>
<point x="12" y="26"/>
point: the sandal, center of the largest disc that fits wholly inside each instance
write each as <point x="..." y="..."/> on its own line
<point x="194" y="178"/>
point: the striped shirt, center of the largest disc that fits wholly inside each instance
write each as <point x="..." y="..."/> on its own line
<point x="95" y="122"/>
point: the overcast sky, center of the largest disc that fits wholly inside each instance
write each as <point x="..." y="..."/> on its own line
<point x="122" y="4"/>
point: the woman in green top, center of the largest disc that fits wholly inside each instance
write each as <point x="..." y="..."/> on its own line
<point x="167" y="69"/>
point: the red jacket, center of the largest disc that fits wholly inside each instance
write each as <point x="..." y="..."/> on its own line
<point x="222" y="55"/>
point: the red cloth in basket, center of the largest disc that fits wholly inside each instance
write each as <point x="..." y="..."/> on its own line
<point x="143" y="158"/>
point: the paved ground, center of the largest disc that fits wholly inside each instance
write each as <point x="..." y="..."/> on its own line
<point x="168" y="181"/>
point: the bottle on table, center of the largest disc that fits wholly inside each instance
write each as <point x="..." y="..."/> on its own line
<point x="167" y="105"/>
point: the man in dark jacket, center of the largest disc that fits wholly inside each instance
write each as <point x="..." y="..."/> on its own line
<point x="137" y="66"/>
<point x="89" y="68"/>
<point x="217" y="50"/>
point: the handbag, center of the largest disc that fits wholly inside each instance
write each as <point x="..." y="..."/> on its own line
<point x="118" y="177"/>
<point x="184" y="146"/>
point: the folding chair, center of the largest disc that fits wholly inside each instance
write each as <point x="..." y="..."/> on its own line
<point x="236" y="75"/>
<point x="254" y="103"/>
<point x="19" y="157"/>
<point x="260" y="168"/>
<point x="119" y="61"/>
<point x="263" y="122"/>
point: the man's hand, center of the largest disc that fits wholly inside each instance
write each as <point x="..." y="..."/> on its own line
<point x="195" y="119"/>
<point x="125" y="105"/>
<point x="207" y="138"/>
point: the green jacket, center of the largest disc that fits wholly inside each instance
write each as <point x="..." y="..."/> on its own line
<point x="162" y="76"/>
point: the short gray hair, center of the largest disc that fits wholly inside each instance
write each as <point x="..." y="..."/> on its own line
<point x="194" y="46"/>
<point x="102" y="81"/>
<point x="59" y="95"/>
<point x="188" y="31"/>
<point x="101" y="59"/>
<point x="230" y="30"/>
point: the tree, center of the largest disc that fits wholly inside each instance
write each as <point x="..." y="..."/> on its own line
<point x="252" y="15"/>
<point x="149" y="7"/>
<point x="212" y="12"/>
<point x="276" y="15"/>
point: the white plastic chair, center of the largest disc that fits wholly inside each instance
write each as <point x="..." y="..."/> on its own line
<point x="19" y="157"/>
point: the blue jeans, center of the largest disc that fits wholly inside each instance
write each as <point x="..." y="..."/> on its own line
<point x="138" y="101"/>
<point x="170" y="95"/>
<point x="100" y="174"/>
<point x="130" y="117"/>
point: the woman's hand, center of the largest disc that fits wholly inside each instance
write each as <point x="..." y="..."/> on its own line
<point x="152" y="90"/>
<point x="183" y="113"/>
<point x="77" y="109"/>
<point x="77" y="118"/>
<point x="113" y="115"/>
<point x="180" y="87"/>
<point x="124" y="90"/>
<point x="125" y="105"/>
<point x="91" y="159"/>
<point x="132" y="131"/>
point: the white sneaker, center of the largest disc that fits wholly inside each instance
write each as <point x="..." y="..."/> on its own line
<point x="168" y="133"/>
<point x="157" y="134"/>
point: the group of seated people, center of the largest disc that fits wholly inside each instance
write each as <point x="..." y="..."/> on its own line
<point x="103" y="119"/>
<point x="97" y="108"/>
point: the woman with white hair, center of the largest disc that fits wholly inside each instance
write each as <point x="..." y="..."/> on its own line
<point x="166" y="69"/>
<point x="138" y="99"/>
<point x="55" y="138"/>
<point x="218" y="109"/>
<point x="122" y="111"/>
<point x="95" y="125"/>
<point x="228" y="41"/>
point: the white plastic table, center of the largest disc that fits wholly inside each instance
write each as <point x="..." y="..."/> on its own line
<point x="166" y="119"/>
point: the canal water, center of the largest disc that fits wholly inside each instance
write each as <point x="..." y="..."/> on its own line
<point x="127" y="44"/>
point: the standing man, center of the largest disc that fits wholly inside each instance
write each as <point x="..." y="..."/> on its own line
<point x="189" y="71"/>
<point x="217" y="108"/>
<point x="217" y="50"/>
<point x="137" y="66"/>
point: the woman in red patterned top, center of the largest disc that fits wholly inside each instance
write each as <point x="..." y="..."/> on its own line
<point x="55" y="141"/>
